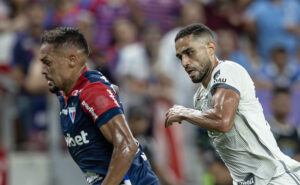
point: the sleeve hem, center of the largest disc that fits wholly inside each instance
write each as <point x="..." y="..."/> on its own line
<point x="222" y="85"/>
<point x="105" y="117"/>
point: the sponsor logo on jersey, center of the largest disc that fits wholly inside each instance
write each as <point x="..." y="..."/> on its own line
<point x="249" y="180"/>
<point x="72" y="113"/>
<point x="90" y="109"/>
<point x="217" y="79"/>
<point x="92" y="178"/>
<point x="64" y="112"/>
<point x="77" y="140"/>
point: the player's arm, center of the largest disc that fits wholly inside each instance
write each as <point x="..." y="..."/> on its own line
<point x="220" y="118"/>
<point x="117" y="132"/>
<point x="100" y="103"/>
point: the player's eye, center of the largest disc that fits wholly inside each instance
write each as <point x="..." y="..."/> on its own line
<point x="179" y="57"/>
<point x="47" y="63"/>
<point x="189" y="53"/>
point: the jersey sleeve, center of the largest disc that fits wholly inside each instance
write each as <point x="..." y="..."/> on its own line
<point x="100" y="102"/>
<point x="226" y="76"/>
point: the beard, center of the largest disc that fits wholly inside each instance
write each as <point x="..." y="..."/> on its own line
<point x="54" y="89"/>
<point x="202" y="72"/>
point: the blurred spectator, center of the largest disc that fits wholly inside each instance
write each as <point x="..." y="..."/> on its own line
<point x="228" y="48"/>
<point x="165" y="13"/>
<point x="226" y="14"/>
<point x="142" y="83"/>
<point x="7" y="38"/>
<point x="285" y="133"/>
<point x="124" y="33"/>
<point x="191" y="12"/>
<point x="274" y="22"/>
<point x="138" y="120"/>
<point x="255" y="64"/>
<point x="106" y="13"/>
<point x="62" y="13"/>
<point x="27" y="42"/>
<point x="85" y="22"/>
<point x="280" y="71"/>
<point x="184" y="89"/>
<point x="31" y="118"/>
<point x="18" y="15"/>
<point x="296" y="61"/>
<point x="138" y="72"/>
<point x="216" y="171"/>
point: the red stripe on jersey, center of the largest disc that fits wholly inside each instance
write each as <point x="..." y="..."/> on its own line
<point x="96" y="99"/>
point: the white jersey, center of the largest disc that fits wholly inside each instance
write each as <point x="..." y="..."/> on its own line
<point x="249" y="149"/>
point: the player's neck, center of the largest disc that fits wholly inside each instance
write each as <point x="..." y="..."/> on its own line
<point x="206" y="80"/>
<point x="72" y="82"/>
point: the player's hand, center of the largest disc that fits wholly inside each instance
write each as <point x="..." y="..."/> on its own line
<point x="174" y="114"/>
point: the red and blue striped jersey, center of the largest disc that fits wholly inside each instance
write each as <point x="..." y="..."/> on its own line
<point x="92" y="103"/>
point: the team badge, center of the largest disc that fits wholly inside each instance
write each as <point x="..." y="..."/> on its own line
<point x="72" y="113"/>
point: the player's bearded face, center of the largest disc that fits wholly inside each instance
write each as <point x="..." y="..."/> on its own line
<point x="194" y="58"/>
<point x="200" y="72"/>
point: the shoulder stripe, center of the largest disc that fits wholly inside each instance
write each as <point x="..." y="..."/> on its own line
<point x="222" y="85"/>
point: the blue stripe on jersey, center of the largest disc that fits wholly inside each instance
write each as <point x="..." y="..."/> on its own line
<point x="105" y="117"/>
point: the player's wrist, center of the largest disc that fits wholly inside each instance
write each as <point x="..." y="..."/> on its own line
<point x="184" y="113"/>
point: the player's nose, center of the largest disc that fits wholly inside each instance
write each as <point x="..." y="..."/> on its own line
<point x="44" y="70"/>
<point x="185" y="61"/>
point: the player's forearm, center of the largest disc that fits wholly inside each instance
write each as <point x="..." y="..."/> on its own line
<point x="210" y="120"/>
<point x="121" y="161"/>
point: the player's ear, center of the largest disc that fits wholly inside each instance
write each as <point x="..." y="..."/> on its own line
<point x="211" y="46"/>
<point x="72" y="60"/>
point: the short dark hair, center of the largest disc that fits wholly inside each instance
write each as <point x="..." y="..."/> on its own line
<point x="194" y="29"/>
<point x="65" y="35"/>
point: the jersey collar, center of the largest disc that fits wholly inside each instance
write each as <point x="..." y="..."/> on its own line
<point x="81" y="82"/>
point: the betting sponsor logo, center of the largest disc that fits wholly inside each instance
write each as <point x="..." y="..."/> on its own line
<point x="64" y="112"/>
<point x="77" y="140"/>
<point x="90" y="109"/>
<point x="217" y="79"/>
<point x="249" y="180"/>
<point x="92" y="178"/>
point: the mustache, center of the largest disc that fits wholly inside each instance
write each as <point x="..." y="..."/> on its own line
<point x="47" y="78"/>
<point x="188" y="68"/>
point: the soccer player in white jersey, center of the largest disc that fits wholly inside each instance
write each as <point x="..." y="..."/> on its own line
<point x="226" y="105"/>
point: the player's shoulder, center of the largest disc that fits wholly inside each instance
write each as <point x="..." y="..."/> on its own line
<point x="95" y="76"/>
<point x="229" y="66"/>
<point x="97" y="82"/>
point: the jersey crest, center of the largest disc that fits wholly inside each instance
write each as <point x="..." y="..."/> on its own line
<point x="72" y="113"/>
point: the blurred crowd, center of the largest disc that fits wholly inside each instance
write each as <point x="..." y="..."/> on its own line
<point x="132" y="44"/>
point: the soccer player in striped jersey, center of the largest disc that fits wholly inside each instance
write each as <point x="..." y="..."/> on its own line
<point x="92" y="118"/>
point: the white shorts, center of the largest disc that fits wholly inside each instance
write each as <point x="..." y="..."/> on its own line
<point x="286" y="179"/>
